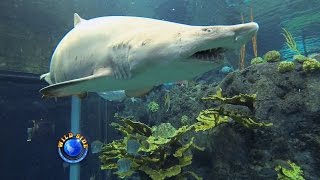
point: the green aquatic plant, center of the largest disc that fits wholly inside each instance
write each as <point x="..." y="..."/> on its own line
<point x="294" y="172"/>
<point x="185" y="120"/>
<point x="272" y="56"/>
<point x="257" y="60"/>
<point x="153" y="106"/>
<point x="286" y="66"/>
<point x="300" y="58"/>
<point x="208" y="119"/>
<point x="311" y="65"/>
<point x="291" y="43"/>
<point x="156" y="151"/>
<point x="235" y="107"/>
<point x="167" y="101"/>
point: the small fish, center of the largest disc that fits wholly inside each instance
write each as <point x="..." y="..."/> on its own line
<point x="96" y="146"/>
<point x="124" y="165"/>
<point x="113" y="95"/>
<point x="40" y="128"/>
<point x="168" y="86"/>
<point x="93" y="177"/>
<point x="226" y="69"/>
<point x="133" y="147"/>
<point x="65" y="165"/>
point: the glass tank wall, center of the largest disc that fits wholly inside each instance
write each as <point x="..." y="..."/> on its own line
<point x="30" y="31"/>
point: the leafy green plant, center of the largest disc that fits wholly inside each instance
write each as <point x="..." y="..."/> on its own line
<point x="291" y="43"/>
<point x="294" y="172"/>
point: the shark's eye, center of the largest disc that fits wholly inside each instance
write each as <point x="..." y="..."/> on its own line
<point x="207" y="30"/>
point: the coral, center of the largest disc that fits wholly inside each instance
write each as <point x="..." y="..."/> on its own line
<point x="272" y="56"/>
<point x="228" y="108"/>
<point x="286" y="66"/>
<point x="242" y="56"/>
<point x="209" y="119"/>
<point x="291" y="43"/>
<point x="185" y="120"/>
<point x="257" y="60"/>
<point x="241" y="99"/>
<point x="310" y="65"/>
<point x="165" y="130"/>
<point x="153" y="106"/>
<point x="315" y="56"/>
<point x="167" y="101"/>
<point x="242" y="51"/>
<point x="254" y="38"/>
<point x="162" y="151"/>
<point x="294" y="172"/>
<point x="161" y="154"/>
<point x="300" y="58"/>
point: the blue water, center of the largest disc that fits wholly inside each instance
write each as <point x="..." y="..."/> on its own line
<point x="30" y="31"/>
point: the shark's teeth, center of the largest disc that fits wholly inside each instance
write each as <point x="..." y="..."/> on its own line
<point x="210" y="54"/>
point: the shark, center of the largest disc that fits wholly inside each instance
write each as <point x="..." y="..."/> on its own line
<point x="135" y="53"/>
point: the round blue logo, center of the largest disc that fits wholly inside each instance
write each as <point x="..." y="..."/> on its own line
<point x="72" y="148"/>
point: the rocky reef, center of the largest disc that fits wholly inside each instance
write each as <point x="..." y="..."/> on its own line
<point x="288" y="100"/>
<point x="286" y="95"/>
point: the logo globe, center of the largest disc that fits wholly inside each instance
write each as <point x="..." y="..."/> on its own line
<point x="72" y="148"/>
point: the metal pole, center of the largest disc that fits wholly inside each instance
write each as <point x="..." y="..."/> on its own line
<point x="75" y="128"/>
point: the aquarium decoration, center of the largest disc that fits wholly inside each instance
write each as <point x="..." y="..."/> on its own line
<point x="167" y="101"/>
<point x="153" y="106"/>
<point x="242" y="51"/>
<point x="286" y="66"/>
<point x="291" y="43"/>
<point x="257" y="60"/>
<point x="159" y="152"/>
<point x="156" y="151"/>
<point x="299" y="58"/>
<point x="254" y="46"/>
<point x="254" y="38"/>
<point x="238" y="108"/>
<point x="272" y="56"/>
<point x="311" y="65"/>
<point x="96" y="146"/>
<point x="293" y="172"/>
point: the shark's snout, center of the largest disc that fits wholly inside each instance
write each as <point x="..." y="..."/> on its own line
<point x="244" y="32"/>
<point x="220" y="39"/>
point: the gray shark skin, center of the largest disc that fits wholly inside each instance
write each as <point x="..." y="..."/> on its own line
<point x="132" y="53"/>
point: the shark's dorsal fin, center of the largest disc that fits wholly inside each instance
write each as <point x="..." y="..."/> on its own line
<point x="77" y="19"/>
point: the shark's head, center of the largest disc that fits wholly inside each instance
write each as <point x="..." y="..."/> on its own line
<point x="197" y="46"/>
<point x="208" y="43"/>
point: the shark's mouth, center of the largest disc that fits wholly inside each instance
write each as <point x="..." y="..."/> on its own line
<point x="210" y="54"/>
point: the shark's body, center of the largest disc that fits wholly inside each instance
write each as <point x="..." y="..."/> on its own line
<point x="132" y="53"/>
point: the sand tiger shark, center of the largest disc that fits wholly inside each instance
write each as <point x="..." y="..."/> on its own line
<point x="135" y="53"/>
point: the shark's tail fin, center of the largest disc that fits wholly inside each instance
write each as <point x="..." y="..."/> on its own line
<point x="46" y="77"/>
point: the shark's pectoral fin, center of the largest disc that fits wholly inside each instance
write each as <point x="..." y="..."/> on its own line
<point x="138" y="92"/>
<point x="75" y="86"/>
<point x="66" y="88"/>
<point x="46" y="77"/>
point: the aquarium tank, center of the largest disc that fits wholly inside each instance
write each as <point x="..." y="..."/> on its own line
<point x="160" y="90"/>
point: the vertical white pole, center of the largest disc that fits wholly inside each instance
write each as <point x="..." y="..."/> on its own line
<point x="75" y="128"/>
<point x="106" y="125"/>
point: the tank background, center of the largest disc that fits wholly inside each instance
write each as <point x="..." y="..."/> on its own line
<point x="30" y="30"/>
<point x="21" y="102"/>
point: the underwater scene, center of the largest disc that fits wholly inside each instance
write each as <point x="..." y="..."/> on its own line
<point x="160" y="89"/>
